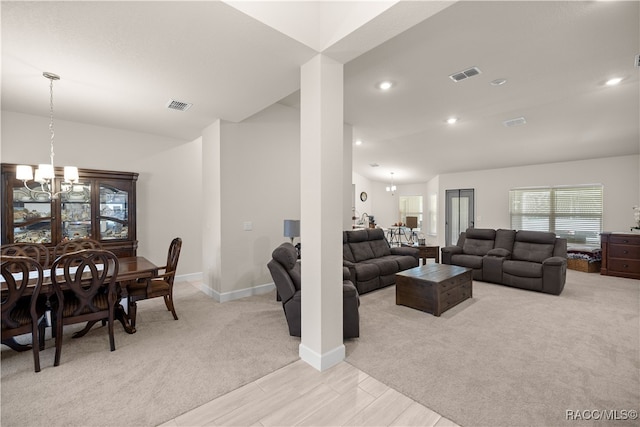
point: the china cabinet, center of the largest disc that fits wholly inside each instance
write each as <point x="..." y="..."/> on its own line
<point x="101" y="206"/>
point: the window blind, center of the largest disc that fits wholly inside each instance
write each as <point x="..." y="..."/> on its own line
<point x="574" y="213"/>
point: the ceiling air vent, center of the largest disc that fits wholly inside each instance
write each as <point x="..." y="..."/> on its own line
<point x="518" y="121"/>
<point x="178" y="105"/>
<point x="637" y="62"/>
<point x="461" y="75"/>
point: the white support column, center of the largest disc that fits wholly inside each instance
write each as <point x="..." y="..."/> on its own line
<point x="321" y="170"/>
<point x="211" y="215"/>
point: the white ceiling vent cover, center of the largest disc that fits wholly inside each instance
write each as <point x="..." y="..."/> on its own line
<point x="178" y="105"/>
<point x="518" y="121"/>
<point x="465" y="74"/>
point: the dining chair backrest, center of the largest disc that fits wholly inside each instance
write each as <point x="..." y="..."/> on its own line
<point x="84" y="283"/>
<point x="15" y="272"/>
<point x="23" y="309"/>
<point x="36" y="251"/>
<point x="85" y="273"/>
<point x="172" y="260"/>
<point x="75" y="245"/>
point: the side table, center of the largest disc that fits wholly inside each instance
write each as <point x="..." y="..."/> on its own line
<point x="427" y="252"/>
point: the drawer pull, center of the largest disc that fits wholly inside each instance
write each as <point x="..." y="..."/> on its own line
<point x="625" y="265"/>
<point x="625" y="252"/>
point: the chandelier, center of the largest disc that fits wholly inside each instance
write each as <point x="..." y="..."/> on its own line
<point x="45" y="173"/>
<point x="391" y="188"/>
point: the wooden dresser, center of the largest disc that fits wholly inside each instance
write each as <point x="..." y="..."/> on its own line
<point x="620" y="255"/>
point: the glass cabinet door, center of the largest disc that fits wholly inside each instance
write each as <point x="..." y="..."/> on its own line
<point x="75" y="212"/>
<point x="31" y="215"/>
<point x="114" y="213"/>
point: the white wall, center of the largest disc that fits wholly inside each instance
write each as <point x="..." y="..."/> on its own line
<point x="169" y="189"/>
<point x="260" y="183"/>
<point x="619" y="176"/>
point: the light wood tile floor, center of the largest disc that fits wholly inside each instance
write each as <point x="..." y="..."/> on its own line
<point x="299" y="395"/>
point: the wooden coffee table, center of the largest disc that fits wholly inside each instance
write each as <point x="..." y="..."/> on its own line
<point x="434" y="288"/>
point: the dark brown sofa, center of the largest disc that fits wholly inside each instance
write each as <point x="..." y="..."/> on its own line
<point x="533" y="260"/>
<point x="372" y="263"/>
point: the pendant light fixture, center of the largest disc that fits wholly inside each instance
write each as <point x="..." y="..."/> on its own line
<point x="45" y="173"/>
<point x="391" y="188"/>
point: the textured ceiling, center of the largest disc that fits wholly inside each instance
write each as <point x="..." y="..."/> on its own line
<point x="120" y="63"/>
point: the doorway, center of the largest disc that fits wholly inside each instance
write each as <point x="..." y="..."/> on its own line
<point x="459" y="213"/>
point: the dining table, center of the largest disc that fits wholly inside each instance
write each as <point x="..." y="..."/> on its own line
<point x="130" y="270"/>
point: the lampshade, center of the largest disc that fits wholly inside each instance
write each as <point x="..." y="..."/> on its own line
<point x="46" y="171"/>
<point x="71" y="174"/>
<point x="291" y="228"/>
<point x="24" y="172"/>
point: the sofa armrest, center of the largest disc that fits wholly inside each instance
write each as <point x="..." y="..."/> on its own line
<point x="351" y="266"/>
<point x="499" y="252"/>
<point x="346" y="274"/>
<point x="406" y="250"/>
<point x="554" y="260"/>
<point x="554" y="275"/>
<point x="448" y="252"/>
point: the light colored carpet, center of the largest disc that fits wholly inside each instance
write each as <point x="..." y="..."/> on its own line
<point x="165" y="369"/>
<point x="510" y="357"/>
<point x="507" y="357"/>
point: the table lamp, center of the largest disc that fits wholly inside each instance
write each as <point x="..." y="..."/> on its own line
<point x="291" y="228"/>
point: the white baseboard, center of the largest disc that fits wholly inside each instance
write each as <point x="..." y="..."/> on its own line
<point x="322" y="362"/>
<point x="193" y="277"/>
<point x="241" y="293"/>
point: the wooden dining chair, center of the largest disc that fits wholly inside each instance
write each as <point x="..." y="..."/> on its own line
<point x="23" y="308"/>
<point x="160" y="286"/>
<point x="84" y="283"/>
<point x="36" y="251"/>
<point x="75" y="245"/>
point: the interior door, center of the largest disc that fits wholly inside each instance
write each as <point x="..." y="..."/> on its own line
<point x="459" y="213"/>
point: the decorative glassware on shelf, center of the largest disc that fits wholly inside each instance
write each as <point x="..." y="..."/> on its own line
<point x="114" y="213"/>
<point x="31" y="216"/>
<point x="75" y="212"/>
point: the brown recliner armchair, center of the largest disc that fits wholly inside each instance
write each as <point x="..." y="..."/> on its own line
<point x="285" y="271"/>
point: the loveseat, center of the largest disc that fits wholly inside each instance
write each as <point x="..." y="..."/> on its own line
<point x="533" y="260"/>
<point x="372" y="263"/>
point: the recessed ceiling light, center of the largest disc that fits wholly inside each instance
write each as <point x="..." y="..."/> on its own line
<point x="374" y="165"/>
<point x="385" y="85"/>
<point x="452" y="120"/>
<point x="358" y="142"/>
<point x="614" y="81"/>
<point x="498" y="82"/>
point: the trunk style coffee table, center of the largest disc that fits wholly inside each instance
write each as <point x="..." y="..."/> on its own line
<point x="433" y="288"/>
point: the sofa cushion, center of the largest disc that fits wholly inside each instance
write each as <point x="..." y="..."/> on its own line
<point x="469" y="261"/>
<point x="347" y="254"/>
<point x="522" y="268"/>
<point x="532" y="252"/>
<point x="481" y="233"/>
<point x="357" y="236"/>
<point x="365" y="272"/>
<point x="505" y="239"/>
<point x="476" y="246"/>
<point x="296" y="275"/>
<point x="286" y="255"/>
<point x="380" y="248"/>
<point x="361" y="251"/>
<point x="405" y="262"/>
<point x="385" y="265"/>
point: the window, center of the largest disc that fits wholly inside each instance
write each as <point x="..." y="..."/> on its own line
<point x="574" y="213"/>
<point x="411" y="206"/>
